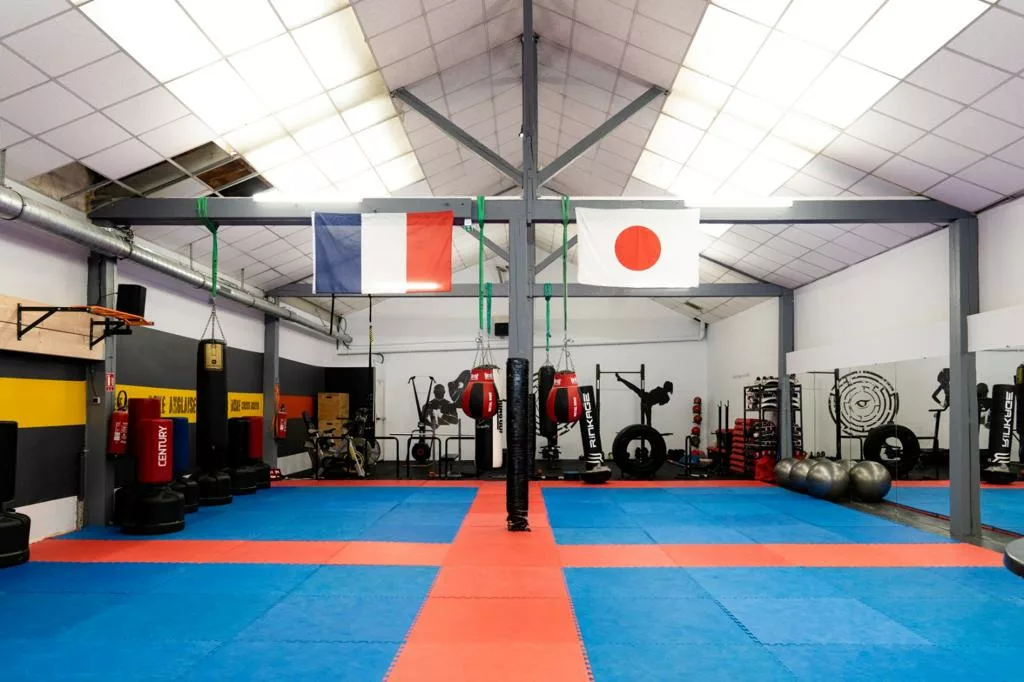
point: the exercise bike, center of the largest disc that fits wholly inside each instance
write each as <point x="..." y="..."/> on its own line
<point x="351" y="454"/>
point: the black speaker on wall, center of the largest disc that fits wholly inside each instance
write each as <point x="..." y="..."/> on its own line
<point x="8" y="461"/>
<point x="131" y="299"/>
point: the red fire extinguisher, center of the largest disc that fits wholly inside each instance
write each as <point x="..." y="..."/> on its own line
<point x="281" y="424"/>
<point x="117" y="438"/>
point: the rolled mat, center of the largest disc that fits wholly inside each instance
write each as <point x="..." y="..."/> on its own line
<point x="517" y="482"/>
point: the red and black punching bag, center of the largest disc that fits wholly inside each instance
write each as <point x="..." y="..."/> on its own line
<point x="480" y="397"/>
<point x="564" y="405"/>
<point x="154" y="449"/>
<point x="139" y="409"/>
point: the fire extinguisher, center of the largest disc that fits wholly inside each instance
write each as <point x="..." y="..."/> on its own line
<point x="281" y="424"/>
<point x="117" y="438"/>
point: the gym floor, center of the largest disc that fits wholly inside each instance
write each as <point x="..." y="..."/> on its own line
<point x="663" y="581"/>
<point x="1002" y="506"/>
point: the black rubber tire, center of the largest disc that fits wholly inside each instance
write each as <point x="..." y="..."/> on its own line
<point x="420" y="452"/>
<point x="874" y="443"/>
<point x="632" y="467"/>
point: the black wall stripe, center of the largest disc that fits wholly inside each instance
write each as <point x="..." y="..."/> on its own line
<point x="31" y="366"/>
<point x="150" y="357"/>
<point x="356" y="381"/>
<point x="48" y="463"/>
<point x="298" y="378"/>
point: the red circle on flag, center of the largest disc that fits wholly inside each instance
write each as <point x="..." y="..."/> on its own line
<point x="637" y="248"/>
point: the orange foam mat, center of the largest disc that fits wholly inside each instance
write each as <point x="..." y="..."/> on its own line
<point x="614" y="556"/>
<point x="390" y="554"/>
<point x="484" y="582"/>
<point x="83" y="551"/>
<point x="504" y="662"/>
<point x="1018" y="485"/>
<point x="723" y="555"/>
<point x="376" y="484"/>
<point x="495" y="620"/>
<point x="659" y="484"/>
<point x="887" y="556"/>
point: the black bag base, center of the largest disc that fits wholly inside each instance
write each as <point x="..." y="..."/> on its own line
<point x="153" y="511"/>
<point x="189" y="489"/>
<point x="14" y="532"/>
<point x="243" y="479"/>
<point x="262" y="474"/>
<point x="214" y="488"/>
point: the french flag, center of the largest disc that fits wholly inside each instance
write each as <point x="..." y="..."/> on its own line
<point x="382" y="253"/>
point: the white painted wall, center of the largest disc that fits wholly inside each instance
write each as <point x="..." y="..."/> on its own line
<point x="740" y="349"/>
<point x="889" y="308"/>
<point x="1000" y="322"/>
<point x="40" y="267"/>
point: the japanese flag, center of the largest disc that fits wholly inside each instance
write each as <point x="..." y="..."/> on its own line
<point x="647" y="248"/>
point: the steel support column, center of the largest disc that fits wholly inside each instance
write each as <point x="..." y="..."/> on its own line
<point x="785" y="421"/>
<point x="964" y="460"/>
<point x="271" y="384"/>
<point x="97" y="476"/>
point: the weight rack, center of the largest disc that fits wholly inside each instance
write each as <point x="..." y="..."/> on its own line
<point x="755" y="435"/>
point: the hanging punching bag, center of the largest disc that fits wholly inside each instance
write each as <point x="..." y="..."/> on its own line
<point x="480" y="397"/>
<point x="563" y="404"/>
<point x="212" y="422"/>
<point x="545" y="381"/>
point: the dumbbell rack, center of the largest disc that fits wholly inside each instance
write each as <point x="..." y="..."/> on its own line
<point x="755" y="435"/>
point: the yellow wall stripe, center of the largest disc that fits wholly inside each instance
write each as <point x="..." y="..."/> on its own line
<point x="178" y="402"/>
<point x="35" y="403"/>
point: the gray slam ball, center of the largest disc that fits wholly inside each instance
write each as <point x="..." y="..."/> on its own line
<point x="782" y="472"/>
<point x="798" y="475"/>
<point x="871" y="481"/>
<point x="827" y="480"/>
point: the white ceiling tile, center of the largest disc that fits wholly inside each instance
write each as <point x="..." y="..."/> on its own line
<point x="341" y="160"/>
<point x="807" y="271"/>
<point x="979" y="131"/>
<point x="725" y="45"/>
<point x="909" y="174"/>
<point x="1012" y="5"/>
<point x="18" y="74"/>
<point x="995" y="38"/>
<point x="957" y="77"/>
<point x="300" y="175"/>
<point x="1006" y="101"/>
<point x="21" y="13"/>
<point x="43" y="107"/>
<point x="384" y="141"/>
<point x="873" y="186"/>
<point x="321" y="134"/>
<point x="504" y="28"/>
<point x="86" y="135"/>
<point x="335" y="48"/>
<point x="596" y="74"/>
<point x="912" y="230"/>
<point x="859" y="245"/>
<point x="963" y="194"/>
<point x="219" y="96"/>
<point x="918" y="107"/>
<point x="1013" y="154"/>
<point x="178" y="136"/>
<point x="109" y="80"/>
<point x="32" y="157"/>
<point x="656" y="170"/>
<point x="828" y="23"/>
<point x="454" y="18"/>
<point x="753" y="232"/>
<point x="833" y="172"/>
<point x="305" y="114"/>
<point x="837" y="252"/>
<point x="778" y="256"/>
<point x="823" y="261"/>
<point x="648" y="67"/>
<point x="557" y="27"/>
<point x="123" y="159"/>
<point x="938" y="153"/>
<point x="857" y="153"/>
<point x="598" y="46"/>
<point x="147" y="111"/>
<point x="804" y="236"/>
<point x="220" y="22"/>
<point x="410" y="69"/>
<point x="186" y="189"/>
<point x="61" y="44"/>
<point x="493" y="8"/>
<point x="464" y="73"/>
<point x="684" y="15"/>
<point x="605" y="16"/>
<point x="400" y="42"/>
<point x="276" y="72"/>
<point x="378" y="16"/>
<point x="298" y="12"/>
<point x="995" y="175"/>
<point x="11" y="135"/>
<point x="784" y="246"/>
<point x="811" y="187"/>
<point x="880" y="234"/>
<point x="588" y="94"/>
<point x="884" y="131"/>
<point x="716" y="157"/>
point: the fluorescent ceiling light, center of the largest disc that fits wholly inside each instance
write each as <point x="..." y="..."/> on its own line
<point x="341" y="160"/>
<point x="299" y="175"/>
<point x="384" y="141"/>
<point x="752" y="110"/>
<point x="277" y="73"/>
<point x="904" y="33"/>
<point x="656" y="170"/>
<point x="732" y="129"/>
<point x="321" y="134"/>
<point x="219" y="96"/>
<point x="305" y="114"/>
<point x="716" y="157"/>
<point x="783" y="69"/>
<point x="763" y="11"/>
<point x="761" y="176"/>
<point x="274" y="154"/>
<point x="369" y="113"/>
<point x="805" y="132"/>
<point x="699" y="87"/>
<point x="777" y="149"/>
<point x="827" y="23"/>
<point x="336" y="48"/>
<point x="692" y="183"/>
<point x="234" y="25"/>
<point x="255" y="134"/>
<point x="724" y="45"/>
<point x="689" y="111"/>
<point x="844" y="92"/>
<point x="739" y="202"/>
<point x="157" y="33"/>
<point x="673" y="139"/>
<point x="297" y="12"/>
<point x="400" y="172"/>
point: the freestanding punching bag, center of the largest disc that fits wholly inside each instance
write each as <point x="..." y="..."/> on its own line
<point x="256" y="452"/>
<point x="154" y="508"/>
<point x="517" y="483"/>
<point x="14" y="527"/>
<point x="125" y="496"/>
<point x="243" y="474"/>
<point x="995" y="466"/>
<point x="212" y="423"/>
<point x="183" y="481"/>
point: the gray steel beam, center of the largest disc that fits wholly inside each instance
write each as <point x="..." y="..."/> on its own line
<point x="271" y="384"/>
<point x="97" y="492"/>
<point x="243" y="211"/>
<point x="786" y="334"/>
<point x="723" y="290"/>
<point x="964" y="459"/>
<point x="553" y="256"/>
<point x="497" y="250"/>
<point x="599" y="133"/>
<point x="457" y="133"/>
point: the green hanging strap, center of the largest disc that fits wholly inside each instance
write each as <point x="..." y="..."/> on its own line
<point x="547" y="322"/>
<point x="490" y="290"/>
<point x="565" y="267"/>
<point x="204" y="215"/>
<point x="480" y="253"/>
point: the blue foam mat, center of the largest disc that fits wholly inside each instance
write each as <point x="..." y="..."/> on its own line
<point x="1000" y="507"/>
